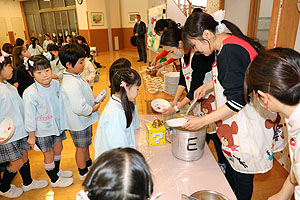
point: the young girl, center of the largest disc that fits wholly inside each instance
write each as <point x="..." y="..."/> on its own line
<point x="274" y="77"/>
<point x="34" y="48"/>
<point x="122" y="63"/>
<point x="247" y="143"/>
<point x="21" y="78"/>
<point x="42" y="119"/>
<point x="15" y="149"/>
<point x="115" y="127"/>
<point x="47" y="41"/>
<point x="89" y="71"/>
<point x="120" y="173"/>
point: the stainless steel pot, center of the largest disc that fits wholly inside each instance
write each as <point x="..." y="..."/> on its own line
<point x="208" y="195"/>
<point x="188" y="145"/>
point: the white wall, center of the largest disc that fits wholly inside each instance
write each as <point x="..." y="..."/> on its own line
<point x="115" y="12"/>
<point x="11" y="20"/>
<point x="97" y="6"/>
<point x="81" y="16"/>
<point x="297" y="42"/>
<point x="237" y="12"/>
<point x="140" y="6"/>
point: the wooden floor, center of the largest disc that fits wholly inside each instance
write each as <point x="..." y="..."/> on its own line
<point x="264" y="184"/>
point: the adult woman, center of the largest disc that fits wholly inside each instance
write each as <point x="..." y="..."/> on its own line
<point x="247" y="143"/>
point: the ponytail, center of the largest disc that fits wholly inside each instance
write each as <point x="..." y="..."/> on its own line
<point x="121" y="79"/>
<point x="238" y="33"/>
<point x="171" y="37"/>
<point x="197" y="23"/>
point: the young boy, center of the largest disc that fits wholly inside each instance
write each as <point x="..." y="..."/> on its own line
<point x="80" y="110"/>
<point x="57" y="68"/>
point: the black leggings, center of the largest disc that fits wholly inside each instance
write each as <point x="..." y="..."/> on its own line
<point x="218" y="145"/>
<point x="241" y="184"/>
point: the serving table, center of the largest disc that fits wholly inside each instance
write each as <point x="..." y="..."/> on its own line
<point x="174" y="177"/>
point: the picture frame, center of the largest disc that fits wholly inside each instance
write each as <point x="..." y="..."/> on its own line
<point x="97" y="18"/>
<point x="132" y="16"/>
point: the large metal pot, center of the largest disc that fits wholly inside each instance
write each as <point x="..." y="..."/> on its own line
<point x="208" y="195"/>
<point x="188" y="145"/>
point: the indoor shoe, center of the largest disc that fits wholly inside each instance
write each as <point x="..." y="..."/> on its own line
<point x="65" y="174"/>
<point x="62" y="182"/>
<point x="35" y="185"/>
<point x="13" y="192"/>
<point x="139" y="60"/>
<point x="82" y="177"/>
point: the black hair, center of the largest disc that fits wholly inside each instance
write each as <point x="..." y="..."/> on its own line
<point x="81" y="38"/>
<point x="197" y="23"/>
<point x="118" y="64"/>
<point x="19" y="42"/>
<point x="171" y="37"/>
<point x="33" y="41"/>
<point x="70" y="53"/>
<point x="47" y="35"/>
<point x="7" y="60"/>
<point x="52" y="47"/>
<point x="86" y="49"/>
<point x="165" y="23"/>
<point x="130" y="77"/>
<point x="7" y="48"/>
<point x="120" y="173"/>
<point x="277" y="72"/>
<point x="38" y="62"/>
<point x="197" y="10"/>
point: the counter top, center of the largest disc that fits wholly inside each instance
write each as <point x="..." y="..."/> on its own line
<point x="174" y="177"/>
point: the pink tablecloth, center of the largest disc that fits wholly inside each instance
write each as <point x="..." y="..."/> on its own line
<point x="174" y="177"/>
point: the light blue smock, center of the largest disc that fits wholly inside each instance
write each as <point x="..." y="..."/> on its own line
<point x="57" y="68"/>
<point x="41" y="107"/>
<point x="111" y="131"/>
<point x="11" y="105"/>
<point x="78" y="101"/>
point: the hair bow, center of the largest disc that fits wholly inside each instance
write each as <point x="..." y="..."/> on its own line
<point x="3" y="56"/>
<point x="123" y="84"/>
<point x="218" y="17"/>
<point x="26" y="61"/>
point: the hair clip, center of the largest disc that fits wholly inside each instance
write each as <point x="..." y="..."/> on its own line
<point x="123" y="84"/>
<point x="4" y="54"/>
<point x="25" y="63"/>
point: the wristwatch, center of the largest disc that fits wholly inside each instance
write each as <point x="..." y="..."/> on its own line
<point x="177" y="110"/>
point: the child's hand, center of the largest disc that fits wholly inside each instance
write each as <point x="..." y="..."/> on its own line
<point x="96" y="107"/>
<point x="16" y="85"/>
<point x="31" y="141"/>
<point x="169" y="111"/>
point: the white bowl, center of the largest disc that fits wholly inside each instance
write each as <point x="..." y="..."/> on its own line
<point x="152" y="90"/>
<point x="159" y="105"/>
<point x="178" y="122"/>
<point x="7" y="129"/>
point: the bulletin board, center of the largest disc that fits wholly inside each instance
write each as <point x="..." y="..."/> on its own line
<point x="154" y="14"/>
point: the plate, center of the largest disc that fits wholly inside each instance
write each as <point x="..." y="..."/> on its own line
<point x="7" y="129"/>
<point x="178" y="122"/>
<point x="159" y="105"/>
<point x="152" y="90"/>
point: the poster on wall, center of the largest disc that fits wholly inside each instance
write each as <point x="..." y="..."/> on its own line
<point x="153" y="40"/>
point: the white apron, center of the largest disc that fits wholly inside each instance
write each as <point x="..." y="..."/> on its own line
<point x="246" y="141"/>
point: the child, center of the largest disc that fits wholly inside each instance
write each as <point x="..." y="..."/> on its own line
<point x="42" y="119"/>
<point x="21" y="78"/>
<point x="246" y="143"/>
<point x="89" y="71"/>
<point x="275" y="79"/>
<point x="47" y="41"/>
<point x="34" y="48"/>
<point x="115" y="127"/>
<point x="81" y="111"/>
<point x="120" y="64"/>
<point x="7" y="48"/>
<point x="120" y="173"/>
<point x="15" y="149"/>
<point x="57" y="68"/>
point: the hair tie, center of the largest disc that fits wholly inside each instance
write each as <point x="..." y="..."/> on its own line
<point x="123" y="84"/>
<point x="219" y="17"/>
<point x="25" y="63"/>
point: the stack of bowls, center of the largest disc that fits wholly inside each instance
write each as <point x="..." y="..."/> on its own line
<point x="171" y="82"/>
